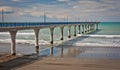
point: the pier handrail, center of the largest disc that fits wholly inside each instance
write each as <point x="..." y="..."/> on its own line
<point x="34" y="24"/>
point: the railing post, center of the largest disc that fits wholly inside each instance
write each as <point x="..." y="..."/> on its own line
<point x="13" y="42"/>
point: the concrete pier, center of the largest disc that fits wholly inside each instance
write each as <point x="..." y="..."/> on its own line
<point x="79" y="29"/>
<point x="51" y="35"/>
<point x="13" y="42"/>
<point x="83" y="30"/>
<point x="12" y="28"/>
<point x="36" y="40"/>
<point x="97" y="26"/>
<point x="75" y="30"/>
<point x="88" y="27"/>
<point x="62" y="37"/>
<point x="69" y="31"/>
<point x="91" y="27"/>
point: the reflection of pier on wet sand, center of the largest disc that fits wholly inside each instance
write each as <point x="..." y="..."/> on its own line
<point x="66" y="60"/>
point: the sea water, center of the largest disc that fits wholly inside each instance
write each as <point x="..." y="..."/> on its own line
<point x="98" y="44"/>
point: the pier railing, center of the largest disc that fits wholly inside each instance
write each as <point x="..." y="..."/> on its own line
<point x="34" y="24"/>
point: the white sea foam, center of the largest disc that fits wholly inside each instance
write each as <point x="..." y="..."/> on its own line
<point x="95" y="44"/>
<point x="7" y="33"/>
<point x="21" y="41"/>
<point x="100" y="35"/>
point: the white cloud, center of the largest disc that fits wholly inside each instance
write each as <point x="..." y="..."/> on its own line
<point x="84" y="9"/>
<point x="63" y="0"/>
<point x="16" y="0"/>
<point x="6" y="8"/>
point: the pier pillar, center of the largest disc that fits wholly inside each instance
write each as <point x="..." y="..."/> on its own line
<point x="51" y="35"/>
<point x="79" y="29"/>
<point x="13" y="42"/>
<point x="75" y="30"/>
<point x="82" y="29"/>
<point x="62" y="32"/>
<point x="88" y="27"/>
<point x="37" y="40"/>
<point x="69" y="31"/>
<point x="91" y="27"/>
<point x="85" y="28"/>
<point x="97" y="26"/>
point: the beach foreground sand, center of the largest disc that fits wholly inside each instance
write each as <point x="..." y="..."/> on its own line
<point x="32" y="62"/>
<point x="52" y="63"/>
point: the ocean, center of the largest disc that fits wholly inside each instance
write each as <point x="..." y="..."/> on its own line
<point x="95" y="43"/>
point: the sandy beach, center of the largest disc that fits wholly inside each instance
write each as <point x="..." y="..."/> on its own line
<point x="66" y="56"/>
<point x="72" y="64"/>
<point x="55" y="63"/>
<point x="69" y="61"/>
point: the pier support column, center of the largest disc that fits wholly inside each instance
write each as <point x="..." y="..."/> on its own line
<point x="97" y="26"/>
<point x="79" y="29"/>
<point x="69" y="31"/>
<point x="62" y="32"/>
<point x="91" y="27"/>
<point x="83" y="29"/>
<point x="13" y="42"/>
<point x="37" y="40"/>
<point x="75" y="30"/>
<point x="88" y="27"/>
<point x="51" y="36"/>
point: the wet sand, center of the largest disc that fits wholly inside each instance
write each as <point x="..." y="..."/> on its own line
<point x="51" y="63"/>
<point x="67" y="61"/>
<point x="32" y="62"/>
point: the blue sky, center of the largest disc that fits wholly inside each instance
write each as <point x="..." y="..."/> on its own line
<point x="58" y="10"/>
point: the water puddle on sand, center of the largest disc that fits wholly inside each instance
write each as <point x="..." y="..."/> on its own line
<point x="83" y="52"/>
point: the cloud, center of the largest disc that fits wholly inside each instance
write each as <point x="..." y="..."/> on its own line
<point x="6" y="9"/>
<point x="16" y="0"/>
<point x="63" y="0"/>
<point x="58" y="9"/>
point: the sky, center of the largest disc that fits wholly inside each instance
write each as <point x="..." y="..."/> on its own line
<point x="59" y="10"/>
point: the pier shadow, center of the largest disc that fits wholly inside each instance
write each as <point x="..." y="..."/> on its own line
<point x="69" y="43"/>
<point x="19" y="62"/>
<point x="95" y="32"/>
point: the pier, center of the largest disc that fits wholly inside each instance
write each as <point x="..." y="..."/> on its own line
<point x="13" y="28"/>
